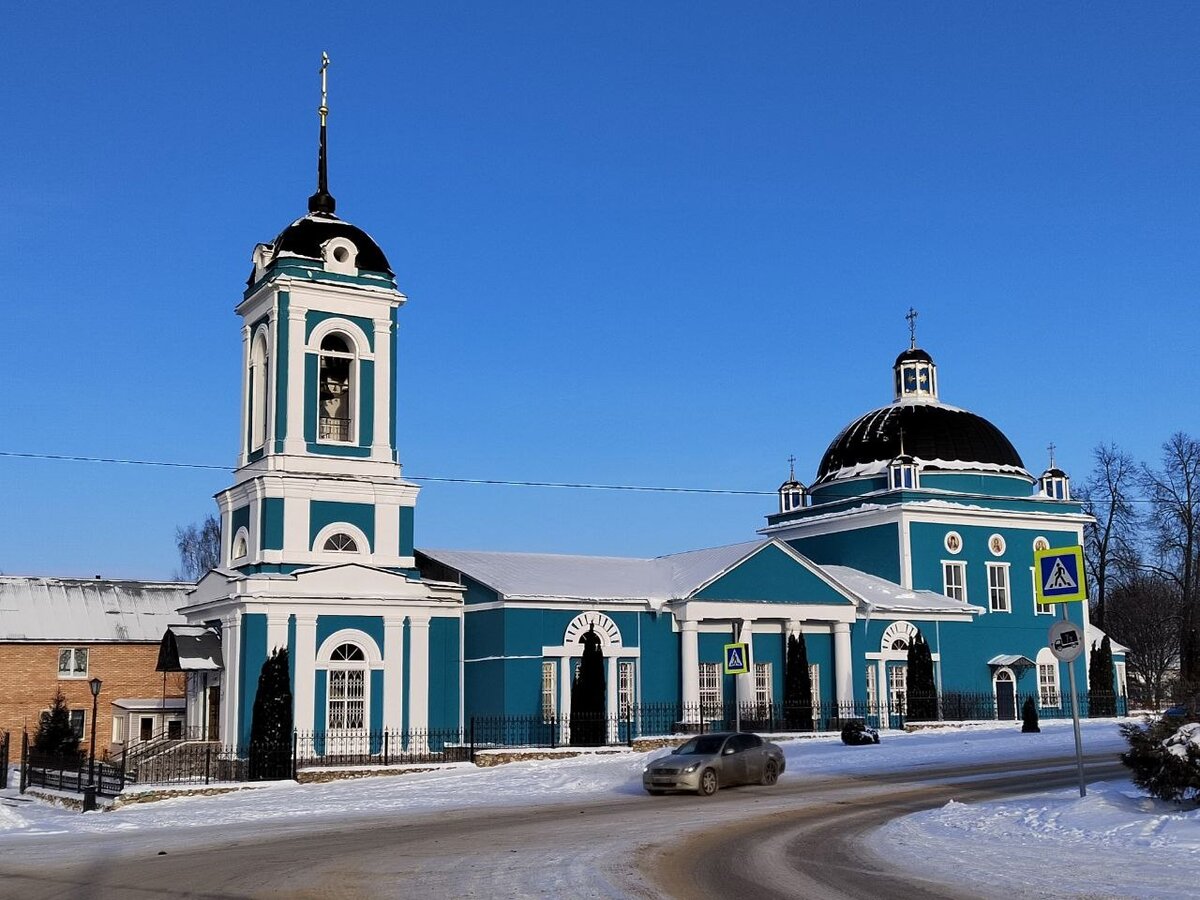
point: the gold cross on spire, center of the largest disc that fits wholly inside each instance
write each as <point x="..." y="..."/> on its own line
<point x="323" y="109"/>
<point x="912" y="328"/>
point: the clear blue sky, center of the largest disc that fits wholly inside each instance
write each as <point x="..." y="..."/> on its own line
<point x="654" y="244"/>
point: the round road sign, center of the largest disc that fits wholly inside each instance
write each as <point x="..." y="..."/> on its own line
<point x="1066" y="640"/>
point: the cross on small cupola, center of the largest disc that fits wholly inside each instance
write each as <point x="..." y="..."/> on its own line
<point x="792" y="494"/>
<point x="915" y="373"/>
<point x="1055" y="483"/>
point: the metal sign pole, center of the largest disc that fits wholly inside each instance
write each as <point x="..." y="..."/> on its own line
<point x="1075" y="717"/>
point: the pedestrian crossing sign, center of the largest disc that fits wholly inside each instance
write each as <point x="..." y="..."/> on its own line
<point x="1060" y="576"/>
<point x="737" y="659"/>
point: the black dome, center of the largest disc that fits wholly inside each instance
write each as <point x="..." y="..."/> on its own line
<point x="305" y="236"/>
<point x="914" y="354"/>
<point x="931" y="431"/>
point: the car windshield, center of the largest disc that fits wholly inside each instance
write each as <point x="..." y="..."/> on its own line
<point x="703" y="745"/>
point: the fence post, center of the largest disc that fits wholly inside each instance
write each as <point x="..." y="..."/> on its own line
<point x="295" y="748"/>
<point x="472" y="739"/>
<point x="124" y="756"/>
<point x="629" y="723"/>
<point x="386" y="735"/>
<point x="554" y="732"/>
<point x="24" y="760"/>
<point x="207" y="762"/>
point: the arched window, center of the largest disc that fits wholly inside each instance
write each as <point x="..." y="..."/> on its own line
<point x="346" y="705"/>
<point x="340" y="543"/>
<point x="335" y="389"/>
<point x="258" y="390"/>
<point x="240" y="546"/>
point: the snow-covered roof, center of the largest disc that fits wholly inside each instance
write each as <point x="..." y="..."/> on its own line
<point x="190" y="648"/>
<point x="135" y="704"/>
<point x="549" y="575"/>
<point x="87" y="609"/>
<point x="878" y="595"/>
<point x="1011" y="659"/>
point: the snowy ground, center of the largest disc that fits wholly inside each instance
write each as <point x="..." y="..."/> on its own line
<point x="1127" y="845"/>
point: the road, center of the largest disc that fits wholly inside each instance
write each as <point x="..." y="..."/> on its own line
<point x="798" y="839"/>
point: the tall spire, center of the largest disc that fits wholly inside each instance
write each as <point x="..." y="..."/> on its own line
<point x="322" y="201"/>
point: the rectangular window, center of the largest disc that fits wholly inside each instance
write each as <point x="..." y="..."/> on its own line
<point x="814" y="678"/>
<point x="897" y="688"/>
<point x="73" y="662"/>
<point x="175" y="729"/>
<point x="764" y="693"/>
<point x="146" y="728"/>
<point x="710" y="688"/>
<point x="625" y="687"/>
<point x="549" y="690"/>
<point x="1048" y="684"/>
<point x="77" y="717"/>
<point x="1039" y="609"/>
<point x="998" y="587"/>
<point x="347" y="699"/>
<point x="954" y="580"/>
<point x="1122" y="689"/>
<point x="872" y="689"/>
<point x="118" y="729"/>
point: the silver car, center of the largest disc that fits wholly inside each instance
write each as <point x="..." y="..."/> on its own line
<point x="711" y="761"/>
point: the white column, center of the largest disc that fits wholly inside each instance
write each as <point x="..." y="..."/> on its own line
<point x="381" y="440"/>
<point x="271" y="380"/>
<point x="294" y="441"/>
<point x="744" y="684"/>
<point x="418" y="672"/>
<point x="305" y="662"/>
<point x="245" y="396"/>
<point x="564" y="691"/>
<point x="231" y="681"/>
<point x="689" y="675"/>
<point x="277" y="631"/>
<point x="843" y="674"/>
<point x="393" y="673"/>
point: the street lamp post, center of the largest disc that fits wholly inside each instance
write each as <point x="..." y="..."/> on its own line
<point x="89" y="795"/>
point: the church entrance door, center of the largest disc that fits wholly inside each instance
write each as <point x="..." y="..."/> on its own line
<point x="1006" y="696"/>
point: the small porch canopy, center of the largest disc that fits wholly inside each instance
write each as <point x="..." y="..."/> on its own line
<point x="1010" y="661"/>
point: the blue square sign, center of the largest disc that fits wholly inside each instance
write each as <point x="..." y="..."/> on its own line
<point x="1060" y="577"/>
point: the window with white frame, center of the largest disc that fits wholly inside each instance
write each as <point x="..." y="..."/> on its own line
<point x="814" y="678"/>
<point x="240" y="546"/>
<point x="897" y="688"/>
<point x="258" y="391"/>
<point x="763" y="688"/>
<point x="625" y="688"/>
<point x="954" y="580"/>
<point x="1048" y="695"/>
<point x="1039" y="609"/>
<point x="118" y="730"/>
<point x="710" y="688"/>
<point x="549" y="690"/>
<point x="73" y="662"/>
<point x="1122" y="689"/>
<point x="347" y="701"/>
<point x="872" y="688"/>
<point x="340" y="543"/>
<point x="998" y="599"/>
<point x="335" y="385"/>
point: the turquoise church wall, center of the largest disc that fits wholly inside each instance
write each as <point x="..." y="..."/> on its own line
<point x="659" y="663"/>
<point x="323" y="512"/>
<point x="445" y="664"/>
<point x="875" y="549"/>
<point x="253" y="655"/>
<point x="271" y="523"/>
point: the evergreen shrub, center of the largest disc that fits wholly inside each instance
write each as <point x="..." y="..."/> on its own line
<point x="1164" y="757"/>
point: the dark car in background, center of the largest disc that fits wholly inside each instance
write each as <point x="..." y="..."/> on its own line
<point x="711" y="761"/>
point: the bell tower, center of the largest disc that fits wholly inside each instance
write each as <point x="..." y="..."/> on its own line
<point x="318" y="478"/>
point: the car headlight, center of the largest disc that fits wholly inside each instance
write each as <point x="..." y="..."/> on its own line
<point x="645" y="769"/>
<point x="692" y="768"/>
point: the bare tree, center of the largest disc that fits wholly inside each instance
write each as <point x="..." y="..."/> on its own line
<point x="1109" y="542"/>
<point x="1174" y="493"/>
<point x="199" y="549"/>
<point x="1144" y="614"/>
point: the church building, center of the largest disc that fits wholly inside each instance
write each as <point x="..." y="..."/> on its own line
<point x="921" y="519"/>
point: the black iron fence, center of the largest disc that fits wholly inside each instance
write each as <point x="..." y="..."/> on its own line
<point x="189" y="759"/>
<point x="4" y="742"/>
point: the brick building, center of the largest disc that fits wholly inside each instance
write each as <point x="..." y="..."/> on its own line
<point x="62" y="632"/>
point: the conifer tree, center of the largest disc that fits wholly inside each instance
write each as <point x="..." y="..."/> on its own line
<point x="922" y="691"/>
<point x="1102" y="699"/>
<point x="1029" y="717"/>
<point x="797" y="686"/>
<point x="55" y="737"/>
<point x="271" y="725"/>
<point x="588" y="709"/>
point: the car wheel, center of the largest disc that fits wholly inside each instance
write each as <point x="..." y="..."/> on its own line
<point x="708" y="783"/>
<point x="770" y="772"/>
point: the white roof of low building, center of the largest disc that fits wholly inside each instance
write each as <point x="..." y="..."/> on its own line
<point x="88" y="609"/>
<point x="880" y="596"/>
<point x="551" y="575"/>
<point x="150" y="704"/>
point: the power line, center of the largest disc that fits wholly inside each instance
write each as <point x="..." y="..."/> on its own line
<point x="443" y="479"/>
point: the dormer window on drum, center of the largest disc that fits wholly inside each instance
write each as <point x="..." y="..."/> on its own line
<point x="902" y="473"/>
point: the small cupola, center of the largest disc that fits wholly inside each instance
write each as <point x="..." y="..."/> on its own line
<point x="903" y="473"/>
<point x="1055" y="483"/>
<point x="792" y="494"/>
<point x="915" y="372"/>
